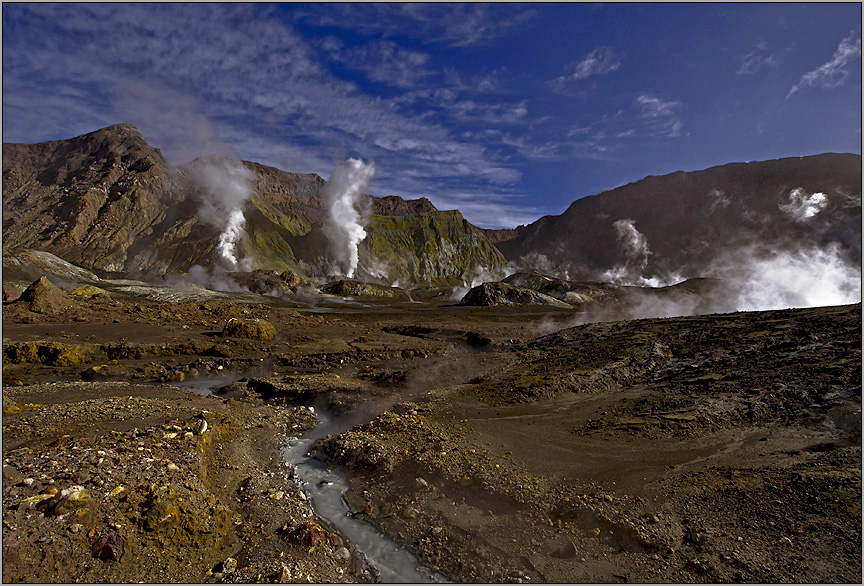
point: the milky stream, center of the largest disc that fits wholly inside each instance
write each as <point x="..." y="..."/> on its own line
<point x="326" y="483"/>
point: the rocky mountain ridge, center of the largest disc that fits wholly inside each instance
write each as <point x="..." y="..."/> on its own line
<point x="686" y="222"/>
<point x="110" y="203"/>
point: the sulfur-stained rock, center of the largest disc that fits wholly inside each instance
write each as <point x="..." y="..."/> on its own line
<point x="253" y="329"/>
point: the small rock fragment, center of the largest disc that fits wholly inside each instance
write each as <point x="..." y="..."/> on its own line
<point x="342" y="554"/>
<point x="109" y="547"/>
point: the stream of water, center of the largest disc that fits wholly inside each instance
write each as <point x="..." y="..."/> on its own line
<point x="326" y="484"/>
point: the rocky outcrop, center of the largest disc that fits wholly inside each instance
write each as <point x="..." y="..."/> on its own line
<point x="352" y="288"/>
<point x="497" y="294"/>
<point x="393" y="205"/>
<point x="251" y="329"/>
<point x="573" y="293"/>
<point x="43" y="296"/>
<point x="108" y="202"/>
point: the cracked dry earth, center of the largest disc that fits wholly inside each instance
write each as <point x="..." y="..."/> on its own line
<point x="698" y="449"/>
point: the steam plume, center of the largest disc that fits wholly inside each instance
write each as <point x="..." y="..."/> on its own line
<point x="227" y="184"/>
<point x="634" y="247"/>
<point x="341" y="193"/>
<point x="227" y="246"/>
<point x="802" y="207"/>
<point x="808" y="277"/>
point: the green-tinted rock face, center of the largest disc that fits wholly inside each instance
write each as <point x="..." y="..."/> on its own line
<point x="109" y="202"/>
<point x="430" y="249"/>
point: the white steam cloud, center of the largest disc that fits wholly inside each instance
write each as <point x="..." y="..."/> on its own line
<point x="808" y="277"/>
<point x="227" y="246"/>
<point x="227" y="184"/>
<point x="342" y="191"/>
<point x="634" y="247"/>
<point x="802" y="207"/>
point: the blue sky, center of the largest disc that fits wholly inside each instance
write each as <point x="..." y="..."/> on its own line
<point x="505" y="111"/>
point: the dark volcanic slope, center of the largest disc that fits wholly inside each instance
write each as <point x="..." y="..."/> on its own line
<point x="688" y="217"/>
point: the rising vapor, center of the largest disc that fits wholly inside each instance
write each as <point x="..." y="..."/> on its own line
<point x="801" y="206"/>
<point x="636" y="252"/>
<point x="227" y="185"/>
<point x="344" y="228"/>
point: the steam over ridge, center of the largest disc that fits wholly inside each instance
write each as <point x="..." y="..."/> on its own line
<point x="342" y="193"/>
<point x="227" y="185"/>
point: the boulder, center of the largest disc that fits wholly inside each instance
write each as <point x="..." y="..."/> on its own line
<point x="252" y="329"/>
<point x="497" y="294"/>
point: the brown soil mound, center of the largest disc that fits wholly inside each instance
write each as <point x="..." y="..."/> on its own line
<point x="43" y="296"/>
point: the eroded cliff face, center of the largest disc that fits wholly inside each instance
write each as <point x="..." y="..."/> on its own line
<point x="87" y="199"/>
<point x="110" y="203"/>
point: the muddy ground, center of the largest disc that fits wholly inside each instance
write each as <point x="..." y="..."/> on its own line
<point x="497" y="446"/>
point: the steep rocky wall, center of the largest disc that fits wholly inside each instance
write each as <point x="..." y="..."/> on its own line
<point x="428" y="248"/>
<point x="108" y="202"/>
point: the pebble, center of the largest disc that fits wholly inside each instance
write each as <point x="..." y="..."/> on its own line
<point x="284" y="575"/>
<point x="342" y="554"/>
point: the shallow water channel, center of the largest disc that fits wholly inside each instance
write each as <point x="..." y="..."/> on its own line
<point x="326" y="484"/>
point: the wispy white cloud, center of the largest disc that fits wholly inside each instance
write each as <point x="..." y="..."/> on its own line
<point x="759" y="57"/>
<point x="834" y="72"/>
<point x="600" y="61"/>
<point x="661" y="116"/>
<point x="451" y="24"/>
<point x="386" y="62"/>
<point x="198" y="78"/>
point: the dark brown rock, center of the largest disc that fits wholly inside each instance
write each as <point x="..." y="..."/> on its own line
<point x="495" y="294"/>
